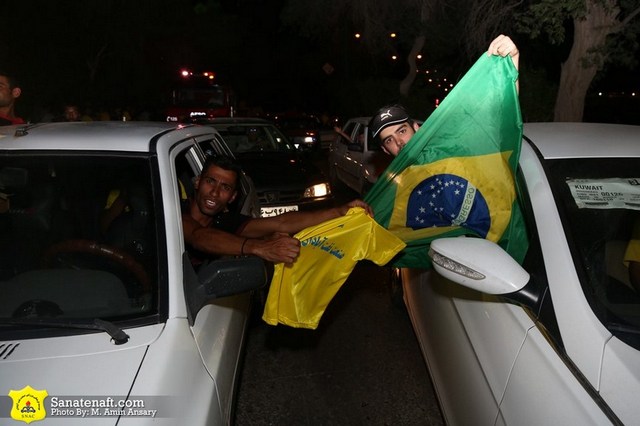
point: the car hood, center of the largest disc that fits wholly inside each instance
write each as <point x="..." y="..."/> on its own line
<point x="80" y="365"/>
<point x="270" y="170"/>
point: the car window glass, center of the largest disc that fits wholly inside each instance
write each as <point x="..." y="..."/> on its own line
<point x="373" y="144"/>
<point x="599" y="201"/>
<point x="347" y="130"/>
<point x="78" y="237"/>
<point x="360" y="136"/>
<point x="282" y="143"/>
<point x="214" y="145"/>
<point x="186" y="174"/>
<point x="254" y="138"/>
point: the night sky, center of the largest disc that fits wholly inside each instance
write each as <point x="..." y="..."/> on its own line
<point x="127" y="54"/>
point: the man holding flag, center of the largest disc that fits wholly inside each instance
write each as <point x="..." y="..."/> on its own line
<point x="456" y="177"/>
<point x="394" y="128"/>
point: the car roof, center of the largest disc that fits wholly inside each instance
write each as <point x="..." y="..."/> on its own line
<point x="133" y="136"/>
<point x="584" y="140"/>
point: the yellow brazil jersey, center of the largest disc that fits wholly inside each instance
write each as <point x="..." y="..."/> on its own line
<point x="632" y="253"/>
<point x="300" y="292"/>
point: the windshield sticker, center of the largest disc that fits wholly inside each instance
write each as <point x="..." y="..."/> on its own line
<point x="614" y="193"/>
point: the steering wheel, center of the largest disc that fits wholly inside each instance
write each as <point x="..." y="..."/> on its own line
<point x="100" y="250"/>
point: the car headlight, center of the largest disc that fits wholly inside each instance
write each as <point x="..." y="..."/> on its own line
<point x="319" y="190"/>
<point x="309" y="139"/>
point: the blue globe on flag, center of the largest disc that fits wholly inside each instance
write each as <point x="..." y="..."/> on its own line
<point x="448" y="200"/>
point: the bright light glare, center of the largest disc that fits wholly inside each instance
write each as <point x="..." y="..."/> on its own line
<point x="357" y="35"/>
<point x="319" y="190"/>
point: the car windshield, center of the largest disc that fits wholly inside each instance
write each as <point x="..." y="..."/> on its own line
<point x="254" y="138"/>
<point x="78" y="237"/>
<point x="599" y="201"/>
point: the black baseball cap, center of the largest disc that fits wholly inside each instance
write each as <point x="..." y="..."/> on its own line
<point x="387" y="116"/>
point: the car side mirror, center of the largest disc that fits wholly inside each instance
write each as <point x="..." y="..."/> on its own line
<point x="220" y="278"/>
<point x="479" y="264"/>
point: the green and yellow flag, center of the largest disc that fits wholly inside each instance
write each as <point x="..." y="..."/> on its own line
<point x="456" y="175"/>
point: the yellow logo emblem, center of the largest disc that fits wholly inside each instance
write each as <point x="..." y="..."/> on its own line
<point x="28" y="404"/>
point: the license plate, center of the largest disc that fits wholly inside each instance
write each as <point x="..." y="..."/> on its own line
<point x="275" y="211"/>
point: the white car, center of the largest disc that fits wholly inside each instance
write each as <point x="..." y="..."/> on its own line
<point x="102" y="315"/>
<point x="356" y="160"/>
<point x="555" y="341"/>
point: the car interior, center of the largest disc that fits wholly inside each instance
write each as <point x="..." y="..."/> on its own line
<point x="598" y="235"/>
<point x="59" y="256"/>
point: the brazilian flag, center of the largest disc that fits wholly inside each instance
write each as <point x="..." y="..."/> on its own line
<point x="456" y="175"/>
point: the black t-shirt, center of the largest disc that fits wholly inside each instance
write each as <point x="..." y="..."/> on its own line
<point x="229" y="221"/>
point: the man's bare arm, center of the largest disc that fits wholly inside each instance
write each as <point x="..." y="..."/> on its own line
<point x="279" y="249"/>
<point x="292" y="222"/>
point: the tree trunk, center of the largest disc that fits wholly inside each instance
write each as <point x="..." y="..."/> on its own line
<point x="405" y="84"/>
<point x="583" y="63"/>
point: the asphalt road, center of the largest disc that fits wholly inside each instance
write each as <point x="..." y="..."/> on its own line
<point x="361" y="366"/>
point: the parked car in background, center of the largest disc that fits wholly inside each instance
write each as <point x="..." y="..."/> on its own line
<point x="556" y="340"/>
<point x="99" y="298"/>
<point x="284" y="179"/>
<point x="354" y="158"/>
<point x="303" y="130"/>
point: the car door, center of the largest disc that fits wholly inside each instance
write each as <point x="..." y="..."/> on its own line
<point x="353" y="157"/>
<point x="495" y="361"/>
<point x="451" y="324"/>
<point x="219" y="327"/>
<point x="341" y="166"/>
